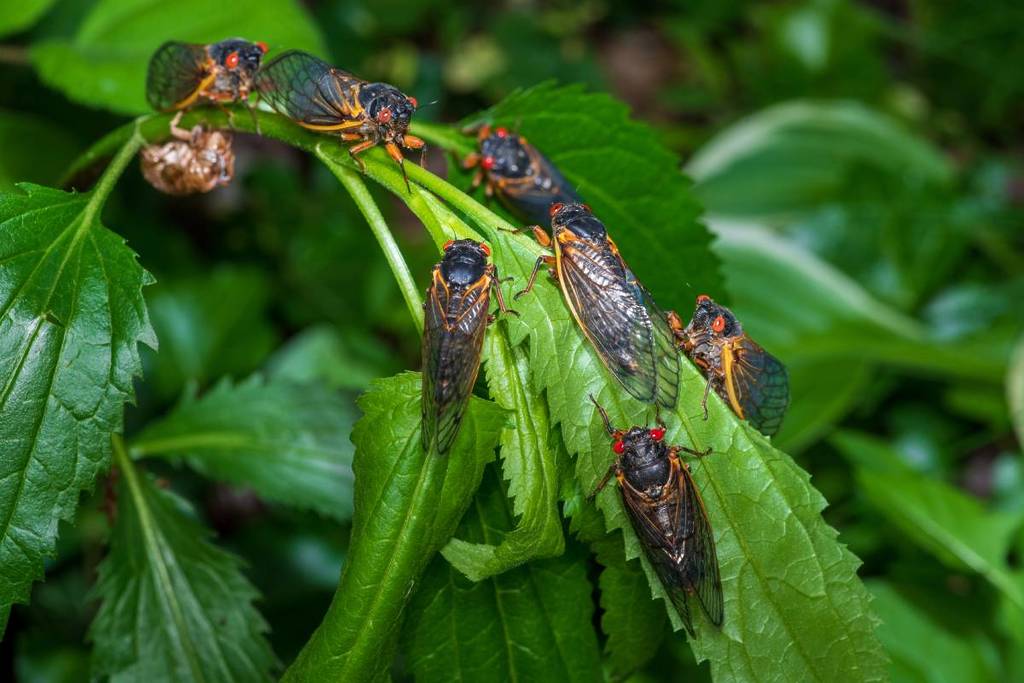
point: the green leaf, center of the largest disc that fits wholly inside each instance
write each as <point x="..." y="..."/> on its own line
<point x="35" y="150"/>
<point x="527" y="463"/>
<point x="796" y="155"/>
<point x="407" y="505"/>
<point x="209" y="325"/>
<point x="343" y="360"/>
<point x="16" y="16"/>
<point x="1015" y="390"/>
<point x="288" y="441"/>
<point x="104" y="65"/>
<point x="922" y="650"/>
<point x="532" y="623"/>
<point x="72" y="318"/>
<point x="950" y="525"/>
<point x="174" y="606"/>
<point x="632" y="182"/>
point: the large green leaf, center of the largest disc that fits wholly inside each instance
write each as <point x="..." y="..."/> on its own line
<point x="950" y="525"/>
<point x="15" y="16"/>
<point x="533" y="623"/>
<point x="922" y="650"/>
<point x="288" y="441"/>
<point x="632" y="182"/>
<point x="174" y="607"/>
<point x="795" y="155"/>
<point x="72" y="317"/>
<point x="527" y="462"/>
<point x="104" y="65"/>
<point x="407" y="505"/>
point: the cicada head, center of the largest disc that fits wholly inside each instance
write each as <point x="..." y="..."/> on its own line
<point x="643" y="457"/>
<point x="504" y="154"/>
<point x="464" y="262"/>
<point x="712" y="321"/>
<point x="578" y="219"/>
<point x="389" y="109"/>
<point x="239" y="58"/>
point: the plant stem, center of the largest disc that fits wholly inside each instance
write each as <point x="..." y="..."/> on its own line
<point x="105" y="185"/>
<point x="399" y="268"/>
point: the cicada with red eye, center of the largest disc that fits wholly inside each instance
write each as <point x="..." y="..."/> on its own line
<point x="455" y="316"/>
<point x="752" y="381"/>
<point x="524" y="180"/>
<point x="615" y="312"/>
<point x="183" y="74"/>
<point x="195" y="161"/>
<point x="323" y="98"/>
<point x="668" y="516"/>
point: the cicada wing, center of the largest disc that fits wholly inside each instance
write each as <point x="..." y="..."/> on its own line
<point x="757" y="382"/>
<point x="453" y="334"/>
<point x="666" y="354"/>
<point x="531" y="199"/>
<point x="303" y="88"/>
<point x="177" y="71"/>
<point x="614" y="316"/>
<point x="699" y="571"/>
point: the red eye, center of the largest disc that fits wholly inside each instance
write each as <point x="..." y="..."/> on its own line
<point x="555" y="208"/>
<point x="447" y="244"/>
<point x="718" y="324"/>
<point x="501" y="132"/>
<point x="587" y="207"/>
<point x="658" y="433"/>
<point x="414" y="102"/>
<point x="231" y="61"/>
<point x="619" y="447"/>
<point x="486" y="249"/>
<point x="384" y="115"/>
<point x="487" y="163"/>
<point x="701" y="298"/>
<point x="263" y="47"/>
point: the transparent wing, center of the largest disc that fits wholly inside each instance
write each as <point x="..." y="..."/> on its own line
<point x="176" y="72"/>
<point x="532" y="199"/>
<point x="453" y="334"/>
<point x="699" y="571"/>
<point x="759" y="382"/>
<point x="612" y="309"/>
<point x="304" y="88"/>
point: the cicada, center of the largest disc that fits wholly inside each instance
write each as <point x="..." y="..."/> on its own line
<point x="323" y="98"/>
<point x="752" y="381"/>
<point x="668" y="516"/>
<point x="195" y="161"/>
<point x="523" y="178"/>
<point x="455" y="315"/>
<point x="182" y="74"/>
<point x="615" y="311"/>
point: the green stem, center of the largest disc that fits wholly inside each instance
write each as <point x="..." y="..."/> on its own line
<point x="105" y="185"/>
<point x="361" y="195"/>
<point x="444" y="137"/>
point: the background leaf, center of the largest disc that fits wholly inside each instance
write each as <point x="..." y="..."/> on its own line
<point x="1015" y="390"/>
<point x="407" y="506"/>
<point x="104" y="64"/>
<point x="286" y="440"/>
<point x="173" y="605"/>
<point x="35" y="150"/>
<point x="633" y="184"/>
<point x="15" y="16"/>
<point x="529" y="623"/>
<point x="72" y="316"/>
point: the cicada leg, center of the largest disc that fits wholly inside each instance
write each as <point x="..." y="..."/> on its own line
<point x="704" y="401"/>
<point x="496" y="284"/>
<point x="541" y="260"/>
<point x="673" y="452"/>
<point x="177" y="131"/>
<point x="356" y="149"/>
<point x="396" y="154"/>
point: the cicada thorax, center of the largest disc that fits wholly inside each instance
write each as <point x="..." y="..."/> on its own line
<point x="195" y="161"/>
<point x="615" y="311"/>
<point x="753" y="382"/>
<point x="524" y="180"/>
<point x="455" y="319"/>
<point x="181" y="75"/>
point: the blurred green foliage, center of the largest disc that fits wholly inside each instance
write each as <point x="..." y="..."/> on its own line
<point x="859" y="164"/>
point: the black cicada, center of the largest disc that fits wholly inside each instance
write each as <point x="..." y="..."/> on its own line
<point x="668" y="516"/>
<point x="751" y="380"/>
<point x="524" y="180"/>
<point x="323" y="98"/>
<point x="195" y="161"/>
<point x="455" y="315"/>
<point x="182" y="74"/>
<point x="615" y="311"/>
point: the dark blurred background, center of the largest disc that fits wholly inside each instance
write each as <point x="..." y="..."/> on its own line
<point x="862" y="164"/>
